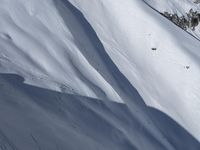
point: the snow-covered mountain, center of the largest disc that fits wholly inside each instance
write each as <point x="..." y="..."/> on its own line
<point x="98" y="74"/>
<point x="179" y="7"/>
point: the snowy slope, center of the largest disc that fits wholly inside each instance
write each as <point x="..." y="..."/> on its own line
<point x="179" y="7"/>
<point x="105" y="56"/>
<point x="37" y="45"/>
<point x="161" y="76"/>
<point x="34" y="118"/>
<point x="174" y="6"/>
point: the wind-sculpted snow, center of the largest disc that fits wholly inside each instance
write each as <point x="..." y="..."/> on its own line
<point x="77" y="58"/>
<point x="42" y="49"/>
<point x="35" y="118"/>
<point x="168" y="78"/>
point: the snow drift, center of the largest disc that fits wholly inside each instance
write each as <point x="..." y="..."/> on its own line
<point x="97" y="52"/>
<point x="161" y="76"/>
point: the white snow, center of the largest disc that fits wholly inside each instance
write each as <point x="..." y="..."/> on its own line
<point x="36" y="43"/>
<point x="160" y="76"/>
<point x="174" y="6"/>
<point x="42" y="49"/>
<point x="179" y="7"/>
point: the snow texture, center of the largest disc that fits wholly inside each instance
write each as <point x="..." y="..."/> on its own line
<point x="100" y="74"/>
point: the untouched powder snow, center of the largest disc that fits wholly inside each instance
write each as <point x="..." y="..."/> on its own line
<point x="129" y="30"/>
<point x="35" y="118"/>
<point x="36" y="44"/>
<point x="119" y="45"/>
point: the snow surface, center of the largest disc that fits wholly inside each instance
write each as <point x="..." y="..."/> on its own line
<point x="179" y="7"/>
<point x="161" y="76"/>
<point x="43" y="50"/>
<point x="35" y="118"/>
<point x="105" y="55"/>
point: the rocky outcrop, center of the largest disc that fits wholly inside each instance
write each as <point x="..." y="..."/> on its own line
<point x="191" y="20"/>
<point x="197" y="1"/>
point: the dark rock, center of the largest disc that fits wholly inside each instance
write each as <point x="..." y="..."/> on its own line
<point x="154" y="49"/>
<point x="187" y="67"/>
<point x="197" y="1"/>
<point x="191" y="21"/>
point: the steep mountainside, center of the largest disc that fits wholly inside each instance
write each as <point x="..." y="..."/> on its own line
<point x="100" y="74"/>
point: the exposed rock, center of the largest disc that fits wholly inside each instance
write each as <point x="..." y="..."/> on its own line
<point x="154" y="49"/>
<point x="191" y="21"/>
<point x="197" y="1"/>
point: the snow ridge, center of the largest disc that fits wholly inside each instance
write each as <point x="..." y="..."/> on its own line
<point x="110" y="54"/>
